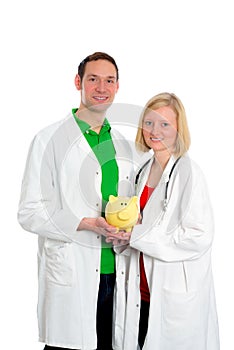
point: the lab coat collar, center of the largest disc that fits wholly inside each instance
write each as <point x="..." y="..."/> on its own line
<point x="166" y="172"/>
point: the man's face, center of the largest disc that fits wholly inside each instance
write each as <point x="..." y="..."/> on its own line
<point x="99" y="85"/>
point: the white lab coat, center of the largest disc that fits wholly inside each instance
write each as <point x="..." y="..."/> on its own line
<point x="61" y="185"/>
<point x="177" y="256"/>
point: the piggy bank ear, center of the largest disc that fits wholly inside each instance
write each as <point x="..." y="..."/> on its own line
<point x="134" y="199"/>
<point x="112" y="198"/>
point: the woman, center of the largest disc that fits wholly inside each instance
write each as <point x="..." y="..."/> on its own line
<point x="171" y="302"/>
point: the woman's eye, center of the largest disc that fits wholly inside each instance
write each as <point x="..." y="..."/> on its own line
<point x="148" y="123"/>
<point x="165" y="124"/>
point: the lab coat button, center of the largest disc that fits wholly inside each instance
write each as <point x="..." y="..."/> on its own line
<point x="96" y="270"/>
<point x="98" y="237"/>
<point x="97" y="204"/>
<point x="137" y="305"/>
<point x="122" y="272"/>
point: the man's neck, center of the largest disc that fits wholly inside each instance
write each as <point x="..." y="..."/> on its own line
<point x="94" y="119"/>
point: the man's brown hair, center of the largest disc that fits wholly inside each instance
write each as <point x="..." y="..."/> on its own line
<point x="94" y="57"/>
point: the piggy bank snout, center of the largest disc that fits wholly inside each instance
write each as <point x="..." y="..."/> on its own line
<point x="123" y="215"/>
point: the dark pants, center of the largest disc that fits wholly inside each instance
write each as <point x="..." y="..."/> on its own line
<point x="47" y="347"/>
<point x="105" y="311"/>
<point x="143" y="323"/>
<point x="104" y="314"/>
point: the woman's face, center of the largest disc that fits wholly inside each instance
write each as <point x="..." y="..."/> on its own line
<point x="160" y="129"/>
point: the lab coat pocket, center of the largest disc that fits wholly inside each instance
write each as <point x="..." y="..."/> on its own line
<point x="181" y="319"/>
<point x="59" y="262"/>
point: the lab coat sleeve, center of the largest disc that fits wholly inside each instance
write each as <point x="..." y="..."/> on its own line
<point x="123" y="249"/>
<point x="186" y="230"/>
<point x="41" y="209"/>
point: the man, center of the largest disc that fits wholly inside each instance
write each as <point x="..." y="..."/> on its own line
<point x="72" y="168"/>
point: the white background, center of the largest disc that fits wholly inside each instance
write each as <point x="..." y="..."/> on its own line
<point x="181" y="46"/>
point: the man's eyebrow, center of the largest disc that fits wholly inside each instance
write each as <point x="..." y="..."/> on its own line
<point x="112" y="77"/>
<point x="108" y="77"/>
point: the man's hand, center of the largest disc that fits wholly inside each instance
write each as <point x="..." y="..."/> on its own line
<point x="97" y="225"/>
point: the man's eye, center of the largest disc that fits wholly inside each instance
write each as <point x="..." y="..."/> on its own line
<point x="110" y="81"/>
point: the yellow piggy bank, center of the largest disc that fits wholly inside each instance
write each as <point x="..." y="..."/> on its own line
<point x="122" y="212"/>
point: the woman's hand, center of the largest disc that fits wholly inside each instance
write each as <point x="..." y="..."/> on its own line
<point x="119" y="238"/>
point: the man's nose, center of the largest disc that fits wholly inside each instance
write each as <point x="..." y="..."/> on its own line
<point x="101" y="86"/>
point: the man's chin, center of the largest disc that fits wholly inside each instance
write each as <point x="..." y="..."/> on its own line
<point x="102" y="107"/>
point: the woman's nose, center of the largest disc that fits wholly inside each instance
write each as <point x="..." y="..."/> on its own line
<point x="155" y="129"/>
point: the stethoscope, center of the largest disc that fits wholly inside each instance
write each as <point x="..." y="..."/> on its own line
<point x="165" y="200"/>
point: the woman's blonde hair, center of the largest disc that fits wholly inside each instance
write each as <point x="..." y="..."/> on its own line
<point x="183" y="135"/>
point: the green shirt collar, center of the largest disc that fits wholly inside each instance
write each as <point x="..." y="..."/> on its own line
<point x="84" y="127"/>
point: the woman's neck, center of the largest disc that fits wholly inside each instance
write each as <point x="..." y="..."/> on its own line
<point x="161" y="159"/>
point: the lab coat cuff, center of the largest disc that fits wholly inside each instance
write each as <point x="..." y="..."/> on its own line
<point x="123" y="250"/>
<point x="66" y="223"/>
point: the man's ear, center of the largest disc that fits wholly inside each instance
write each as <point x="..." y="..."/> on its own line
<point x="77" y="82"/>
<point x="117" y="86"/>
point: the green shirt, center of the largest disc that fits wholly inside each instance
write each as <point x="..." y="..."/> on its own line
<point x="103" y="148"/>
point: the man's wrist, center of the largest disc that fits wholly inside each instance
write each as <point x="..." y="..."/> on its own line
<point x="87" y="224"/>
